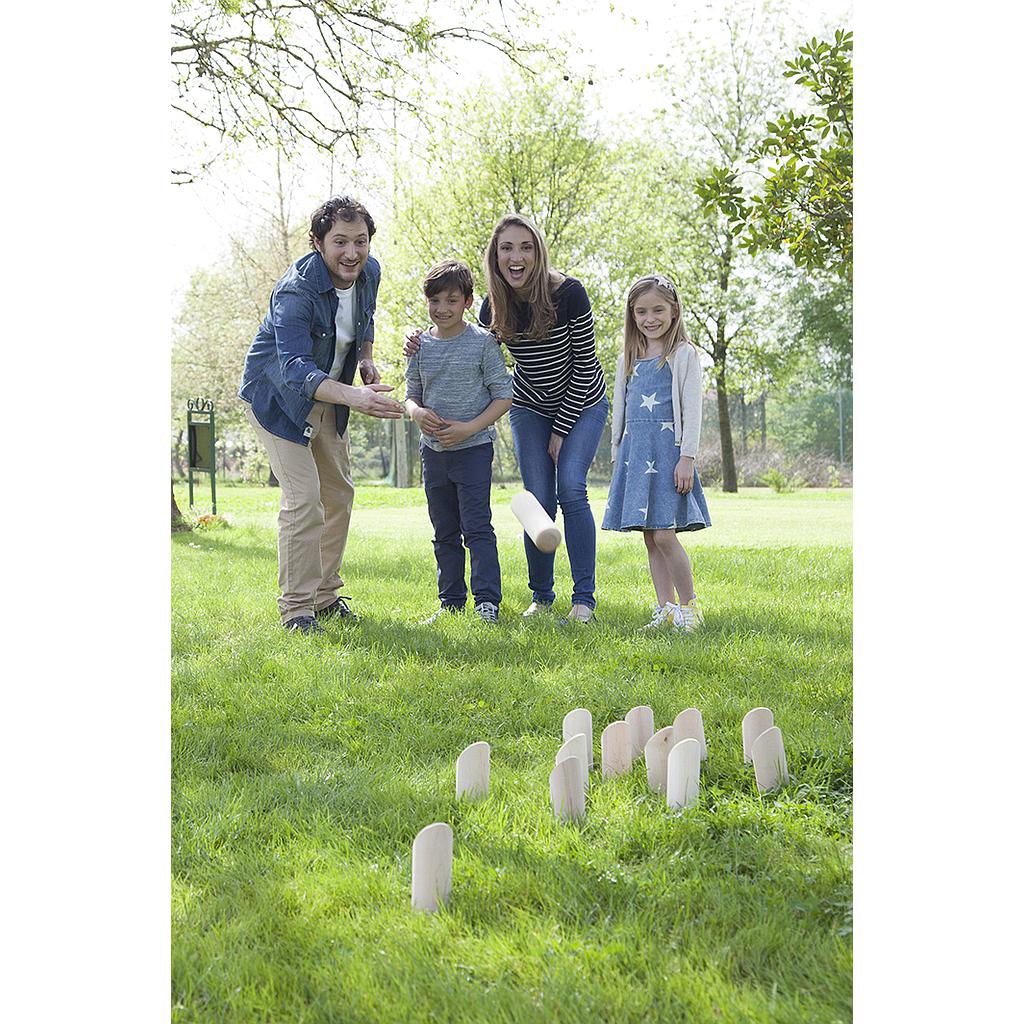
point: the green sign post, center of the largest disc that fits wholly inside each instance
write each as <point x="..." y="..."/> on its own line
<point x="202" y="452"/>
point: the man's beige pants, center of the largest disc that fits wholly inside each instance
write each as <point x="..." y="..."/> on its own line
<point x="316" y="507"/>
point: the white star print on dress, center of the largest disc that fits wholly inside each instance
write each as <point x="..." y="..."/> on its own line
<point x="643" y="511"/>
<point x="650" y="467"/>
<point x="649" y="401"/>
<point x="667" y="426"/>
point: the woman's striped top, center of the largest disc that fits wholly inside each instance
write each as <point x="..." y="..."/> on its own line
<point x="558" y="376"/>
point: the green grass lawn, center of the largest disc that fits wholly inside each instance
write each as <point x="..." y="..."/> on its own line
<point x="303" y="769"/>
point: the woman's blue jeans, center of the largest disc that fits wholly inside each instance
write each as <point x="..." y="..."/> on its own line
<point x="565" y="485"/>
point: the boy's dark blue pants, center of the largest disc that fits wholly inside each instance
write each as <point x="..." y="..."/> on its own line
<point x="458" y="486"/>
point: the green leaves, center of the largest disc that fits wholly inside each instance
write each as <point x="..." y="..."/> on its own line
<point x="805" y="205"/>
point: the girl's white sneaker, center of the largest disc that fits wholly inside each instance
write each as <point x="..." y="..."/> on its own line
<point x="661" y="614"/>
<point x="687" y="617"/>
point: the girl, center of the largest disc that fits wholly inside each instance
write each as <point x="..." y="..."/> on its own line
<point x="559" y="406"/>
<point x="656" y="414"/>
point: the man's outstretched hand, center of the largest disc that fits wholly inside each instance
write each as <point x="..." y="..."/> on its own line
<point x="369" y="399"/>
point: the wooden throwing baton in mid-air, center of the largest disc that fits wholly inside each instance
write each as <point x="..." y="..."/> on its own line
<point x="536" y="522"/>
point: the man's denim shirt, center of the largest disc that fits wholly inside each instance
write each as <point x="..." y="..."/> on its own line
<point x="294" y="347"/>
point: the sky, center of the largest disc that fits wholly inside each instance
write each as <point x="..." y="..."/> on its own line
<point x="615" y="49"/>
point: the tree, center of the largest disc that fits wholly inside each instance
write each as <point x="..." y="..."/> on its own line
<point x="309" y="70"/>
<point x="805" y="205"/>
<point x="724" y="95"/>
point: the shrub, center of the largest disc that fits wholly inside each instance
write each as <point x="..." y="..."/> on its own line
<point x="780" y="482"/>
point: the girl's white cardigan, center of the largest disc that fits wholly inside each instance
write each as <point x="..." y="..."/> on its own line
<point x="687" y="400"/>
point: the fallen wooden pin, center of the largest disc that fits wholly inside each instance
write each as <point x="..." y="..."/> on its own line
<point x="568" y="797"/>
<point x="755" y="722"/>
<point x="656" y="751"/>
<point x="432" y="867"/>
<point x="575" y="747"/>
<point x="536" y="522"/>
<point x="689" y="724"/>
<point x="769" y="756"/>
<point x="641" y="727"/>
<point x="576" y="721"/>
<point x="616" y="750"/>
<point x="473" y="771"/>
<point x="683" y="774"/>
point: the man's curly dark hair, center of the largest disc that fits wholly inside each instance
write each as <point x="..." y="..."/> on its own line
<point x="337" y="208"/>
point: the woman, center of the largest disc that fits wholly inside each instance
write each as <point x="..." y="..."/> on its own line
<point x="559" y="405"/>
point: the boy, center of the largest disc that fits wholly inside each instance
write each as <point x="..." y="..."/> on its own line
<point x="457" y="387"/>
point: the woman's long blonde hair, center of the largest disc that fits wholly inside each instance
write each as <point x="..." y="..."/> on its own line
<point x="635" y="344"/>
<point x="504" y="300"/>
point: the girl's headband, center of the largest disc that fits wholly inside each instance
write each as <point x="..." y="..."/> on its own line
<point x="658" y="279"/>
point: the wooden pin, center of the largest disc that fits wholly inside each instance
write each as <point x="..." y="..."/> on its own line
<point x="656" y="751"/>
<point x="755" y="722"/>
<point x="568" y="799"/>
<point x="575" y="747"/>
<point x="616" y="750"/>
<point x="473" y="771"/>
<point x="769" y="756"/>
<point x="690" y="725"/>
<point x="432" y="867"/>
<point x="579" y="720"/>
<point x="641" y="727"/>
<point x="684" y="774"/>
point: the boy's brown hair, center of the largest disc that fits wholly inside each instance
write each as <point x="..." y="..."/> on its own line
<point x="446" y="276"/>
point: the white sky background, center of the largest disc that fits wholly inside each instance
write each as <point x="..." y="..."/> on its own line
<point x="615" y="44"/>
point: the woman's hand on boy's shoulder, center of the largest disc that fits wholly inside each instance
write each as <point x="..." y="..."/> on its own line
<point x="412" y="341"/>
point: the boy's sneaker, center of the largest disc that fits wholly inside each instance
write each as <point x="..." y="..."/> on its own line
<point x="487" y="611"/>
<point x="661" y="614"/>
<point x="537" y="608"/>
<point x="305" y="624"/>
<point x="445" y="609"/>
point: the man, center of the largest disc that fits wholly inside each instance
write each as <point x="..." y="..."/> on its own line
<point x="297" y="382"/>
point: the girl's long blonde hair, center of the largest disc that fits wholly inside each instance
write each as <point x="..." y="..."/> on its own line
<point x="635" y="344"/>
<point x="504" y="300"/>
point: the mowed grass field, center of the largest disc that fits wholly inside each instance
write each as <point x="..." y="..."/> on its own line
<point x="303" y="769"/>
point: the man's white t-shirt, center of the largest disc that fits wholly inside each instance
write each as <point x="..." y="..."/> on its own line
<point x="344" y="328"/>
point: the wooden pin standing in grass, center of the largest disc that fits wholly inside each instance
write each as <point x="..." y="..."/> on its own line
<point x="684" y="774"/>
<point x="641" y="727"/>
<point x="616" y="750"/>
<point x="568" y="797"/>
<point x="688" y="725"/>
<point x="755" y="722"/>
<point x="580" y="720"/>
<point x="769" y="756"/>
<point x="575" y="747"/>
<point x="656" y="751"/>
<point x="536" y="522"/>
<point x="473" y="771"/>
<point x="432" y="867"/>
